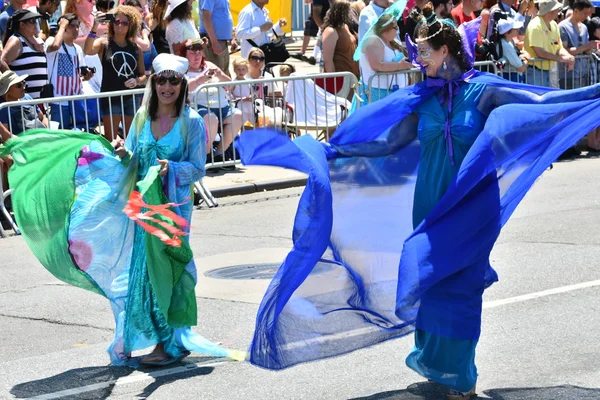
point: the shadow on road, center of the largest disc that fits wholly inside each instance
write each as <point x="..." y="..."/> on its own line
<point x="432" y="391"/>
<point x="106" y="377"/>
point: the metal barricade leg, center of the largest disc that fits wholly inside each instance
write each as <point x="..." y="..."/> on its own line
<point x="3" y="196"/>
<point x="205" y="194"/>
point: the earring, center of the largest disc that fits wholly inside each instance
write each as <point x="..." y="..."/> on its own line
<point x="444" y="65"/>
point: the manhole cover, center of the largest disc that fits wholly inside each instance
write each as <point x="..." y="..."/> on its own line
<point x="255" y="271"/>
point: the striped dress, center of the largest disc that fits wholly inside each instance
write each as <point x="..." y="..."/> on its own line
<point x="32" y="63"/>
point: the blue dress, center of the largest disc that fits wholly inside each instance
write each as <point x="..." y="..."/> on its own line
<point x="436" y="355"/>
<point x="390" y="238"/>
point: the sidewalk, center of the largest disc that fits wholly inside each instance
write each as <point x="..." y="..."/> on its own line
<point x="251" y="179"/>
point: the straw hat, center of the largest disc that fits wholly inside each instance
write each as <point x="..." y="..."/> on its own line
<point x="547" y="6"/>
<point x="9" y="78"/>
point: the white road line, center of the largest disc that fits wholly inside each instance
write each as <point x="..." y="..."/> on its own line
<point x="142" y="376"/>
<point x="134" y="377"/>
<point x="543" y="293"/>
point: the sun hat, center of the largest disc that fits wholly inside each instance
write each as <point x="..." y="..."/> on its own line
<point x="546" y="6"/>
<point x="9" y="78"/>
<point x="505" y="25"/>
<point x="169" y="62"/>
<point x="173" y="4"/>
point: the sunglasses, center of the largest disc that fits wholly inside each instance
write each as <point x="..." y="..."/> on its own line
<point x="20" y="85"/>
<point x="162" y="80"/>
<point x="118" y="22"/>
<point x="256" y="58"/>
<point x="195" y="48"/>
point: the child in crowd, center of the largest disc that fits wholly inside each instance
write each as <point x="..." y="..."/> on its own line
<point x="285" y="70"/>
<point x="242" y="94"/>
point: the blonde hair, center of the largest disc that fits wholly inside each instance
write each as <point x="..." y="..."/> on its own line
<point x="285" y="70"/>
<point x="240" y="62"/>
<point x="256" y="51"/>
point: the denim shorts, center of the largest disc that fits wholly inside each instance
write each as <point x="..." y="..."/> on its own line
<point x="221" y="113"/>
<point x="118" y="107"/>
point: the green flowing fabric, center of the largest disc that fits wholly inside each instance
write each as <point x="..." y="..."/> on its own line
<point x="42" y="197"/>
<point x="173" y="286"/>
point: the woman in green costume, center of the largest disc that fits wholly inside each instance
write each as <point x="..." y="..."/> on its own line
<point x="96" y="230"/>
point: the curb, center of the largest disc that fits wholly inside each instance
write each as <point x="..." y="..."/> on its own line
<point x="249" y="188"/>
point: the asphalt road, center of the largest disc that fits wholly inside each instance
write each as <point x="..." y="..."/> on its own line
<point x="540" y="335"/>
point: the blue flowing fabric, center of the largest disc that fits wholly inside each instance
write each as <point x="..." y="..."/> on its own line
<point x="363" y="269"/>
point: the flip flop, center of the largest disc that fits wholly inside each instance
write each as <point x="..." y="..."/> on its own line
<point x="166" y="361"/>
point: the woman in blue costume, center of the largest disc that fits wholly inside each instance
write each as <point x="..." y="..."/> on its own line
<point x="402" y="209"/>
<point x="98" y="232"/>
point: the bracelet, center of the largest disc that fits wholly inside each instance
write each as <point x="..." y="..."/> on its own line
<point x="92" y="35"/>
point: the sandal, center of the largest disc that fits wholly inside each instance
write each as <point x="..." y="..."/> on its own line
<point x="161" y="360"/>
<point x="457" y="395"/>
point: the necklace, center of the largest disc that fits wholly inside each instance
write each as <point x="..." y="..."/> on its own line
<point x="165" y="123"/>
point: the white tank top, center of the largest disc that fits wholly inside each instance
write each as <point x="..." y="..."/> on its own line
<point x="384" y="81"/>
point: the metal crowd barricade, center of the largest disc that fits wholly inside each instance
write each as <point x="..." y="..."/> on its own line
<point x="546" y="73"/>
<point x="19" y="119"/>
<point x="386" y="81"/>
<point x="19" y="112"/>
<point x="294" y="104"/>
<point x="3" y="195"/>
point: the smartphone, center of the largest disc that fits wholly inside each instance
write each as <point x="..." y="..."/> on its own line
<point x="107" y="18"/>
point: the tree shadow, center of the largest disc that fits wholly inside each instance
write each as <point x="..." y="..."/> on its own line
<point x="106" y="376"/>
<point x="433" y="391"/>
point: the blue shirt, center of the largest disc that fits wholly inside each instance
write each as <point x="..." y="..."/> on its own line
<point x="4" y="19"/>
<point x="221" y="18"/>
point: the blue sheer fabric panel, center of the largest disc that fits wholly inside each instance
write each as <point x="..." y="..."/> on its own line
<point x="358" y="272"/>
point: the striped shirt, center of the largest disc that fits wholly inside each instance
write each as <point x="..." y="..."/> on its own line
<point x="32" y="63"/>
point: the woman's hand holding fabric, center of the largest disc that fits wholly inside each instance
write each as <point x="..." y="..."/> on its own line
<point x="119" y="146"/>
<point x="164" y="167"/>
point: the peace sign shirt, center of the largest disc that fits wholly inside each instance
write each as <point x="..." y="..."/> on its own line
<point x="118" y="65"/>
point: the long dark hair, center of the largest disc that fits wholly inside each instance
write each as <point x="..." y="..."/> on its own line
<point x="182" y="11"/>
<point x="448" y="36"/>
<point x="182" y="100"/>
<point x="12" y="27"/>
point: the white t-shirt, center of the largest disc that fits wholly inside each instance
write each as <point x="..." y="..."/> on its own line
<point x="178" y="31"/>
<point x="239" y="91"/>
<point x="63" y="69"/>
<point x="211" y="97"/>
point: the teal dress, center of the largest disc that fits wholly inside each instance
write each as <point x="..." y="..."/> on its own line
<point x="437" y="356"/>
<point x="145" y="324"/>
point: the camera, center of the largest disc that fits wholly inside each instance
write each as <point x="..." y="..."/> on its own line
<point x="86" y="70"/>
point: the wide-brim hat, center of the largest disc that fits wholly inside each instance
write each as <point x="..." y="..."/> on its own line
<point x="9" y="78"/>
<point x="169" y="62"/>
<point x="505" y="25"/>
<point x="173" y="4"/>
<point x="546" y="6"/>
